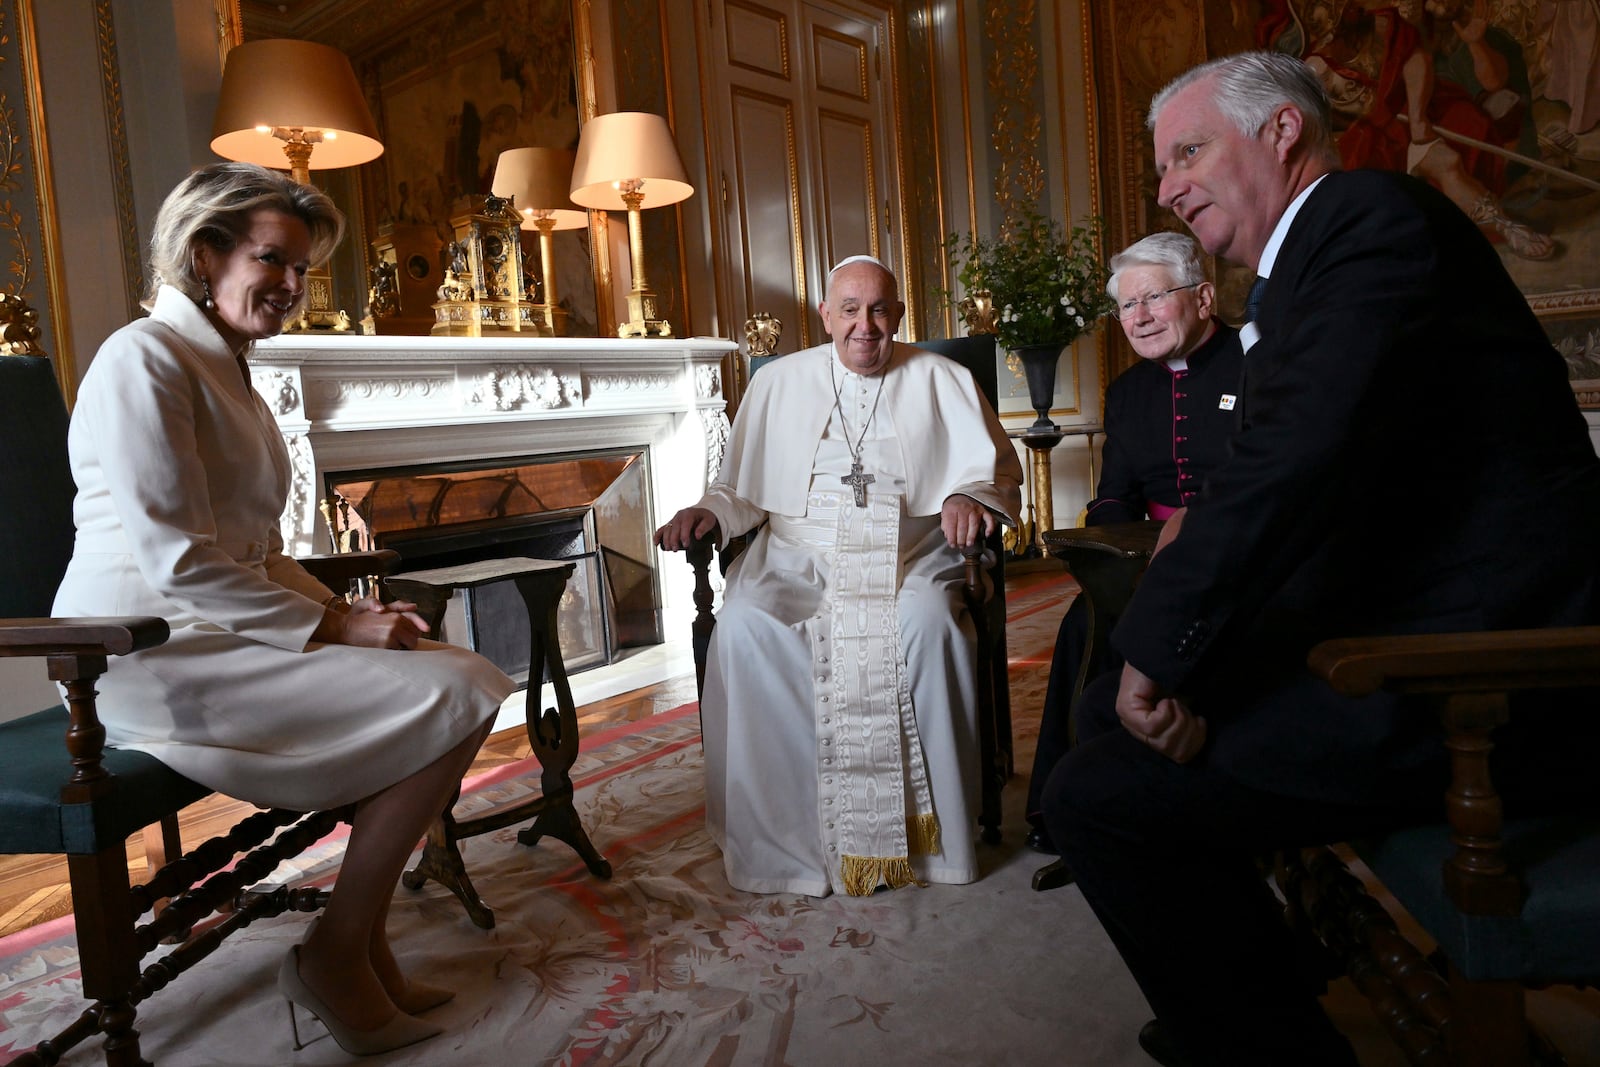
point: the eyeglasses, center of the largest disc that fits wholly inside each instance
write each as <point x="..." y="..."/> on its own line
<point x="1153" y="302"/>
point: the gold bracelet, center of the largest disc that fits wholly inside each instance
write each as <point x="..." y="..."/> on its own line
<point x="337" y="604"/>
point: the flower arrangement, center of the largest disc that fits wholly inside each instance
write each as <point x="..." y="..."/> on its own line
<point x="1047" y="286"/>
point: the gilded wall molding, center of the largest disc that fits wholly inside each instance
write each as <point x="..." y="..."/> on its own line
<point x="903" y="203"/>
<point x="924" y="112"/>
<point x="117" y="143"/>
<point x="28" y="228"/>
<point x="641" y="65"/>
<point x="230" y="29"/>
<point x="583" y="66"/>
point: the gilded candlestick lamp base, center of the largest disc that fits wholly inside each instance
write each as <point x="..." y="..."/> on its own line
<point x="642" y="321"/>
<point x="318" y="313"/>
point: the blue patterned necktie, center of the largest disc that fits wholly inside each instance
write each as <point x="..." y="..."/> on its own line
<point x="1252" y="303"/>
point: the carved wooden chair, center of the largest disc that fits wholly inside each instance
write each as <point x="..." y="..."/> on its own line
<point x="1511" y="904"/>
<point x="63" y="791"/>
<point x="985" y="603"/>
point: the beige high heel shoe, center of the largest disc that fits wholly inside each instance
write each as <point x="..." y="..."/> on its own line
<point x="417" y="997"/>
<point x="420" y="997"/>
<point x="398" y="1032"/>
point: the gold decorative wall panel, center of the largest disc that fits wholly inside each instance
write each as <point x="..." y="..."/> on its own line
<point x="1011" y="70"/>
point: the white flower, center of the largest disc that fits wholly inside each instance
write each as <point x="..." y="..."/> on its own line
<point x="1079" y="320"/>
<point x="1066" y="302"/>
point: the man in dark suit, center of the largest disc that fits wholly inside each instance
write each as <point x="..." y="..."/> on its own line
<point x="1410" y="459"/>
<point x="1168" y="419"/>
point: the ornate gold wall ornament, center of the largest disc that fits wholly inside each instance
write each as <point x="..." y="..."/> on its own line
<point x="761" y="334"/>
<point x="19" y="327"/>
<point x="977" y="311"/>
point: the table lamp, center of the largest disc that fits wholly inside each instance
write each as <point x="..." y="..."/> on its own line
<point x="624" y="159"/>
<point x="538" y="181"/>
<point x="295" y="103"/>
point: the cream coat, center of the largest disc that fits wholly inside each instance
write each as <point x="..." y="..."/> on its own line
<point x="181" y="476"/>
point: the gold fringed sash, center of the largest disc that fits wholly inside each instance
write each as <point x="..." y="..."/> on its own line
<point x="923" y="833"/>
<point x="876" y="802"/>
<point x="862" y="875"/>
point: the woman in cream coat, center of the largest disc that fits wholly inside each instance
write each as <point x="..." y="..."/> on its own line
<point x="271" y="688"/>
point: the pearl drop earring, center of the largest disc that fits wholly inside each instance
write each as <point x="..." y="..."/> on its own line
<point x="210" y="301"/>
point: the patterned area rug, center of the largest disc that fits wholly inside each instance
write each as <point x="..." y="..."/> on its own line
<point x="666" y="963"/>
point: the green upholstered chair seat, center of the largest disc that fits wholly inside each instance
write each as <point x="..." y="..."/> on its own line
<point x="1557" y="935"/>
<point x="34" y="765"/>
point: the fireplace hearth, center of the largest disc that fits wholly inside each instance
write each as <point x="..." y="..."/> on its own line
<point x="590" y="508"/>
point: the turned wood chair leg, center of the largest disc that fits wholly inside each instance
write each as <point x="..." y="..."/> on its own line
<point x="162" y="844"/>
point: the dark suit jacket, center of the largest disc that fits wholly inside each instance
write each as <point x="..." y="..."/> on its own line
<point x="1166" y="431"/>
<point x="1410" y="459"/>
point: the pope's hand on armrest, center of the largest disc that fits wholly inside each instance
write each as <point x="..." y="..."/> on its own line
<point x="965" y="521"/>
<point x="686" y="527"/>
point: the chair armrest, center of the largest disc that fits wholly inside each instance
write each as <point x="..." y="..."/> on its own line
<point x="76" y="650"/>
<point x="1486" y="662"/>
<point x="110" y="636"/>
<point x="1469" y="675"/>
<point x="331" y="567"/>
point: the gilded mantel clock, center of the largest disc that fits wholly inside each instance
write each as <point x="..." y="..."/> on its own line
<point x="483" y="291"/>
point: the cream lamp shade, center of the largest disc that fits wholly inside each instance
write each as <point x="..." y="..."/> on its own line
<point x="623" y="149"/>
<point x="628" y="160"/>
<point x="538" y="180"/>
<point x="283" y="99"/>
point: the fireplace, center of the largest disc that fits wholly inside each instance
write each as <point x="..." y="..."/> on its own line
<point x="354" y="406"/>
<point x="592" y="508"/>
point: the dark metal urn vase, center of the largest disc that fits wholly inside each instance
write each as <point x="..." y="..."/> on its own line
<point x="1039" y="363"/>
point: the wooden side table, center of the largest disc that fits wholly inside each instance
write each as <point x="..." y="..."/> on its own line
<point x="553" y="735"/>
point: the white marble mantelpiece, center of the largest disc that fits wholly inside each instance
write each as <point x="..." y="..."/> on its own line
<point x="348" y="403"/>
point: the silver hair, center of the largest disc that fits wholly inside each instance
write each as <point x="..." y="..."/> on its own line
<point x="213" y="206"/>
<point x="849" y="261"/>
<point x="1249" y="86"/>
<point x="1177" y="252"/>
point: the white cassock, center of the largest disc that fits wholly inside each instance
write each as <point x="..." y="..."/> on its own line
<point x="840" y="723"/>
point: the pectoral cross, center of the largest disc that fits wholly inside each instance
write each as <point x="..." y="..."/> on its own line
<point x="859" y="482"/>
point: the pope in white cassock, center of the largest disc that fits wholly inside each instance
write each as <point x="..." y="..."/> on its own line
<point x="841" y="739"/>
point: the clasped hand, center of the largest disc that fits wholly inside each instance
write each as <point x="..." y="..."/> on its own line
<point x="373" y="624"/>
<point x="1162" y="721"/>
